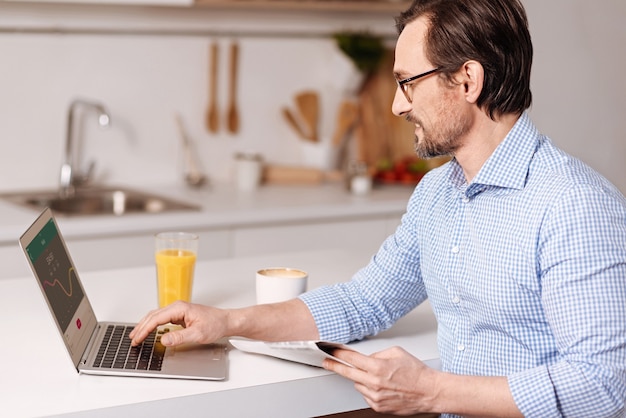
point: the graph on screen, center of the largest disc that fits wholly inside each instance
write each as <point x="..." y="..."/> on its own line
<point x="68" y="289"/>
<point x="59" y="281"/>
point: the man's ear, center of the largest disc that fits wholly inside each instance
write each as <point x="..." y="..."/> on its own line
<point x="471" y="75"/>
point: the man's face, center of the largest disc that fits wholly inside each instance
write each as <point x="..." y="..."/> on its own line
<point x="437" y="109"/>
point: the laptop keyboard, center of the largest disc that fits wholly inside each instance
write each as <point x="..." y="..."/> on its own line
<point x="116" y="352"/>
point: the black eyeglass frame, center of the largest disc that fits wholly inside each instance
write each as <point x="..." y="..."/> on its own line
<point x="402" y="84"/>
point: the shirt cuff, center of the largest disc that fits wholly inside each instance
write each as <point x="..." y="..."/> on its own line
<point x="533" y="393"/>
<point x="328" y="313"/>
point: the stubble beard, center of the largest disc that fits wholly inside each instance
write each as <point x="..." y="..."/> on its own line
<point x="444" y="137"/>
<point x="427" y="147"/>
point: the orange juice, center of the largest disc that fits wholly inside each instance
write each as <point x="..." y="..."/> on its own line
<point x="174" y="275"/>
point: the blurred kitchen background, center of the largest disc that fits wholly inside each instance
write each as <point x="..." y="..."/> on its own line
<point x="148" y="62"/>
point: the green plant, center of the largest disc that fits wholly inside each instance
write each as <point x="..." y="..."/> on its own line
<point x="364" y="49"/>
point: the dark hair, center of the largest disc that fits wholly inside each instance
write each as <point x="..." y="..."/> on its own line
<point x="492" y="32"/>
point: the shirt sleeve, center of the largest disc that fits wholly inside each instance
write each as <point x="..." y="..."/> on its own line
<point x="379" y="294"/>
<point x="582" y="265"/>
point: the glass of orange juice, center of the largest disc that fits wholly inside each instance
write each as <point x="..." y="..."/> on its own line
<point x="175" y="257"/>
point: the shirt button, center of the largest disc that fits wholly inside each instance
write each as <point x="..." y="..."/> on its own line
<point x="455" y="250"/>
<point x="460" y="347"/>
<point x="465" y="199"/>
<point x="456" y="300"/>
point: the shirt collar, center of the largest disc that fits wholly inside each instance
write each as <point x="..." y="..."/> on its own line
<point x="508" y="165"/>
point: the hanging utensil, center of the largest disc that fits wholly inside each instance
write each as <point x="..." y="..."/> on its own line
<point x="347" y="120"/>
<point x="293" y="122"/>
<point x="193" y="176"/>
<point x="233" y="112"/>
<point x="212" y="114"/>
<point x="307" y="103"/>
<point x="347" y="117"/>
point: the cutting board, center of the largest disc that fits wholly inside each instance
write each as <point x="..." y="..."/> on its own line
<point x="380" y="134"/>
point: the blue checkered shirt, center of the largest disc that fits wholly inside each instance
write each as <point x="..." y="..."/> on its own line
<point x="525" y="268"/>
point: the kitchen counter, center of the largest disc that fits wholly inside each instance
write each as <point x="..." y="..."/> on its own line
<point x="230" y="224"/>
<point x="222" y="206"/>
<point x="39" y="380"/>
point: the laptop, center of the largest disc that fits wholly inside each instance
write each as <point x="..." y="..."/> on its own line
<point x="92" y="345"/>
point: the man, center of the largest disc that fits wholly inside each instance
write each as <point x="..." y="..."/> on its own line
<point x="520" y="248"/>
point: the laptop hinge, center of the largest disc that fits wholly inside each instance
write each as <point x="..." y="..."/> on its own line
<point x="92" y="341"/>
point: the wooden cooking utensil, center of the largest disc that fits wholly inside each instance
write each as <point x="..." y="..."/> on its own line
<point x="232" y="115"/>
<point x="307" y="103"/>
<point x="212" y="116"/>
<point x="293" y="122"/>
<point x="347" y="120"/>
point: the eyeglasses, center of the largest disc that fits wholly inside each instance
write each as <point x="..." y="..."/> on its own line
<point x="404" y="84"/>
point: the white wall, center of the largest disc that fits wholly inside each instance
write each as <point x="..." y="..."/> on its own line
<point x="578" y="84"/>
<point x="578" y="80"/>
<point x="144" y="80"/>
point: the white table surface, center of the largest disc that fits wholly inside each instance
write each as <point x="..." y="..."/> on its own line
<point x="38" y="379"/>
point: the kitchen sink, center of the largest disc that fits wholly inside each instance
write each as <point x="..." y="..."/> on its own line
<point x="98" y="201"/>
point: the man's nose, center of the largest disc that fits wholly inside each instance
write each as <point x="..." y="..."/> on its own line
<point x="400" y="105"/>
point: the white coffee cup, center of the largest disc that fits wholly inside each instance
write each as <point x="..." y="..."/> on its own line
<point x="277" y="284"/>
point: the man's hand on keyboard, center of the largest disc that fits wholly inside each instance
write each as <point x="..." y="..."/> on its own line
<point x="201" y="324"/>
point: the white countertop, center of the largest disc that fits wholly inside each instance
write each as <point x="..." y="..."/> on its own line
<point x="222" y="206"/>
<point x="39" y="379"/>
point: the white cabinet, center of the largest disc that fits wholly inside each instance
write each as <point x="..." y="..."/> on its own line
<point x="137" y="250"/>
<point x="365" y="234"/>
<point x="121" y="251"/>
<point x="112" y="252"/>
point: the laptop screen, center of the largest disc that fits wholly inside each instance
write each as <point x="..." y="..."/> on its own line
<point x="56" y="274"/>
<point x="60" y="284"/>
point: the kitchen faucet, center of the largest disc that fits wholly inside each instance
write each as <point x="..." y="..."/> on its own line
<point x="71" y="175"/>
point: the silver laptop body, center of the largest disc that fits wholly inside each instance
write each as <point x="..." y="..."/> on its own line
<point x="52" y="266"/>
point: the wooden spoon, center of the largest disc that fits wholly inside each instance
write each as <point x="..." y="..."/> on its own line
<point x="232" y="112"/>
<point x="308" y="106"/>
<point x="212" y="116"/>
